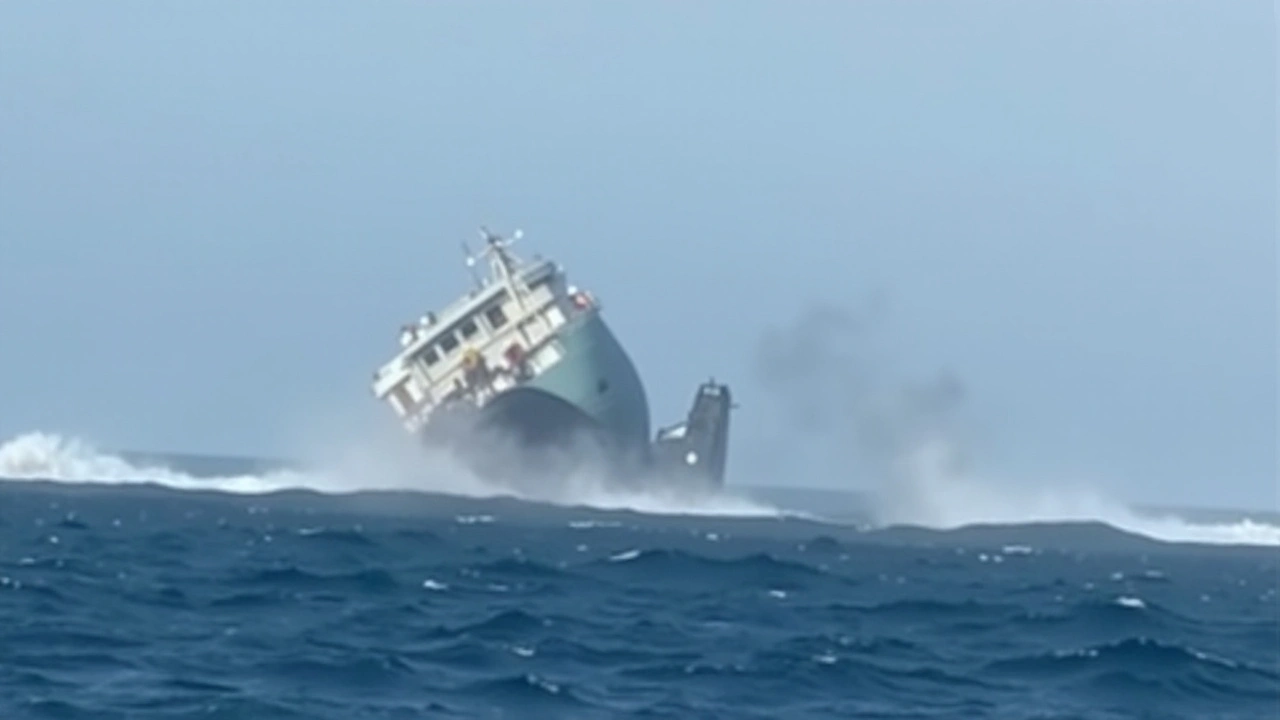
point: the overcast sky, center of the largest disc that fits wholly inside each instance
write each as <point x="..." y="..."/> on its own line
<point x="214" y="216"/>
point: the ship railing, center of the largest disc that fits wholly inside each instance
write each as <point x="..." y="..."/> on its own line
<point x="497" y="379"/>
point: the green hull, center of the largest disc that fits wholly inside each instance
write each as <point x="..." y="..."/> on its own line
<point x="589" y="409"/>
<point x="597" y="377"/>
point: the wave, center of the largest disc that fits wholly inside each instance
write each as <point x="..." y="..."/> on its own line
<point x="52" y="457"/>
<point x="908" y="440"/>
<point x="927" y="491"/>
<point x="929" y="488"/>
<point x="753" y="573"/>
<point x="1140" y="665"/>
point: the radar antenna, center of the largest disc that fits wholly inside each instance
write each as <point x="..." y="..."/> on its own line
<point x="502" y="261"/>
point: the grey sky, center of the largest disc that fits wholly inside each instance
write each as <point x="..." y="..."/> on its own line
<point x="214" y="216"/>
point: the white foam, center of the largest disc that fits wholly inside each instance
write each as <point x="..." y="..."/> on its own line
<point x="352" y="468"/>
<point x="47" y="456"/>
<point x="660" y="498"/>
<point x="927" y="488"/>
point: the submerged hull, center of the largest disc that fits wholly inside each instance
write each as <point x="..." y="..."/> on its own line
<point x="587" y="412"/>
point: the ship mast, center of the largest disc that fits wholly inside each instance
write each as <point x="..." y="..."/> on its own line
<point x="503" y="262"/>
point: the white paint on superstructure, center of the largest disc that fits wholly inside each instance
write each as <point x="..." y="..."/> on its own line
<point x="496" y="336"/>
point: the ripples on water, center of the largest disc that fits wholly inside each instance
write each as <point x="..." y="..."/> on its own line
<point x="154" y="604"/>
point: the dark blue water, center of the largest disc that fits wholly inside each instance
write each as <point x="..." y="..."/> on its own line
<point x="153" y="603"/>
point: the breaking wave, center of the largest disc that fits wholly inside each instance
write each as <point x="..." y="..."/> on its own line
<point x="45" y="456"/>
<point x="53" y="457"/>
<point x="928" y="488"/>
<point x="904" y="441"/>
<point x="926" y="491"/>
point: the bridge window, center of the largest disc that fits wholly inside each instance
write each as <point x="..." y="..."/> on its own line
<point x="449" y="343"/>
<point x="496" y="317"/>
<point x="430" y="357"/>
<point x="468" y="329"/>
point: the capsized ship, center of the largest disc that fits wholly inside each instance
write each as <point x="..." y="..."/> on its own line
<point x="521" y="378"/>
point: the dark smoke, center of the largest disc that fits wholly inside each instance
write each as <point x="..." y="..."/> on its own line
<point x="830" y="379"/>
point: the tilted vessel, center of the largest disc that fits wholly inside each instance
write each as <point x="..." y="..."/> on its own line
<point x="521" y="377"/>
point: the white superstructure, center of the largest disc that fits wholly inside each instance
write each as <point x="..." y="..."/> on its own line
<point x="500" y="334"/>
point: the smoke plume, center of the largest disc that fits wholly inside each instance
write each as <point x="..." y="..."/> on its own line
<point x="828" y="373"/>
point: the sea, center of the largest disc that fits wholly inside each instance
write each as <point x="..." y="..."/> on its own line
<point x="180" y="587"/>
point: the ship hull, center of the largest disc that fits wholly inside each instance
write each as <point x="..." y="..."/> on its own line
<point x="588" y="412"/>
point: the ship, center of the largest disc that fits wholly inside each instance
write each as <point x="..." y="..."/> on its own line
<point x="523" y="380"/>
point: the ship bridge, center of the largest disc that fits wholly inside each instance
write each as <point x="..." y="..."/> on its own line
<point x="495" y="337"/>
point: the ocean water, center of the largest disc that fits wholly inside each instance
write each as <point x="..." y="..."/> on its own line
<point x="144" y="594"/>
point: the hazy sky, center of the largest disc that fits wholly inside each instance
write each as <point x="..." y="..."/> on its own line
<point x="214" y="216"/>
